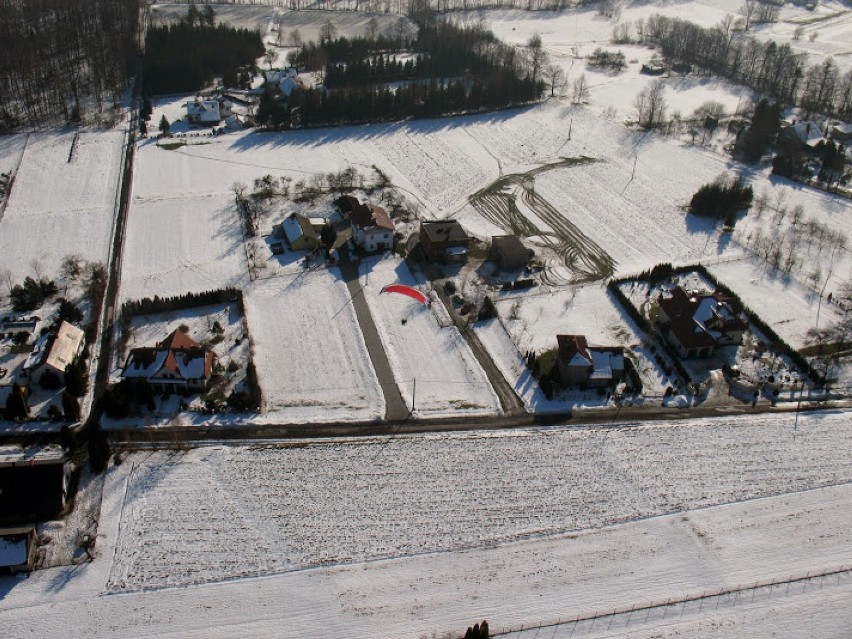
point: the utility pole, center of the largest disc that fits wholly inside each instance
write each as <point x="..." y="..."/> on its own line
<point x="413" y="395"/>
<point x="799" y="406"/>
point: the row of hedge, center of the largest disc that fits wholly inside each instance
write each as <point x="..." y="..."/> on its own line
<point x="158" y="304"/>
<point x="666" y="270"/>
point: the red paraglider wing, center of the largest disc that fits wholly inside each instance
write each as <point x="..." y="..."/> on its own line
<point x="402" y="289"/>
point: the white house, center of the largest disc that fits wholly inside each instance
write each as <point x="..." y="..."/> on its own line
<point x="210" y="111"/>
<point x="372" y="229"/>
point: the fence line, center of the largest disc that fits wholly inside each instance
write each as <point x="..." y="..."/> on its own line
<point x="682" y="601"/>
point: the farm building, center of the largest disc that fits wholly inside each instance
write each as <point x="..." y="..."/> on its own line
<point x="53" y="353"/>
<point x="17" y="548"/>
<point x="372" y="229"/>
<point x="510" y="252"/>
<point x="696" y="323"/>
<point x="595" y="366"/>
<point x="444" y="241"/>
<point x="177" y="363"/>
<point x="33" y="484"/>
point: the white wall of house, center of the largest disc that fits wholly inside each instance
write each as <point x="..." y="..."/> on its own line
<point x="372" y="239"/>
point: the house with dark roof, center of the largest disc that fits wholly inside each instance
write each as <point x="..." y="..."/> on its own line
<point x="444" y="241"/>
<point x="697" y="323"/>
<point x="509" y="252"/>
<point x="594" y="366"/>
<point x="372" y="229"/>
<point x="175" y="364"/>
<point x="346" y="204"/>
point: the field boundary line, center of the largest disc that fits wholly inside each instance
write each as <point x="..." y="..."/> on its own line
<point x="615" y="612"/>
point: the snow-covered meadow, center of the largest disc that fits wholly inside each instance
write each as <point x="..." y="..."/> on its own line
<point x="62" y="201"/>
<point x="219" y="513"/>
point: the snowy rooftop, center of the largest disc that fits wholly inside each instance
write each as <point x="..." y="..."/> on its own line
<point x="13" y="455"/>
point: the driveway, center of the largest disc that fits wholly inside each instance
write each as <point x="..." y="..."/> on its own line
<point x="395" y="408"/>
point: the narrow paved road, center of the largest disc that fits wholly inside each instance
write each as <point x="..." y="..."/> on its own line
<point x="395" y="408"/>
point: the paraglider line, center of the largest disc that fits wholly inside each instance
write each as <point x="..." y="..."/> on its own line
<point x="350" y="301"/>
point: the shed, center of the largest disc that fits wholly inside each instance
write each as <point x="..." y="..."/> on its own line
<point x="17" y="548"/>
<point x="33" y="483"/>
<point x="510" y="252"/>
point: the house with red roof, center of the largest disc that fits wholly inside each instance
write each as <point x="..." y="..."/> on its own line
<point x="697" y="323"/>
<point x="177" y="363"/>
<point x="372" y="229"/>
<point x="594" y="366"/>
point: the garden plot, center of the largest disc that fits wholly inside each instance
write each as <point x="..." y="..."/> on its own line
<point x="220" y="513"/>
<point x="785" y="304"/>
<point x="178" y="245"/>
<point x="531" y="322"/>
<point x="311" y="358"/>
<point x="802" y="230"/>
<point x="434" y="368"/>
<point x="62" y="201"/>
<point x="219" y="326"/>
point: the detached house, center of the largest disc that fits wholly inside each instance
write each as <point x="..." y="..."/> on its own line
<point x="300" y="232"/>
<point x="177" y="363"/>
<point x="372" y="229"/>
<point x="203" y="112"/>
<point x="444" y="241"/>
<point x="595" y="366"/>
<point x="54" y="352"/>
<point x="696" y="323"/>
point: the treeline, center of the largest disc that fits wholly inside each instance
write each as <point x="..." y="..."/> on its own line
<point x="456" y="69"/>
<point x="61" y="56"/>
<point x="186" y="56"/>
<point x="401" y="7"/>
<point x="773" y="70"/>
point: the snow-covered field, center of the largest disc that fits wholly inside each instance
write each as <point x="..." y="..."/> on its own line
<point x="311" y="359"/>
<point x="179" y="245"/>
<point x="219" y="513"/>
<point x="434" y="367"/>
<point x="507" y="555"/>
<point x="59" y="207"/>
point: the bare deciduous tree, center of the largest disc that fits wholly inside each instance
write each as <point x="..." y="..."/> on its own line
<point x="650" y="105"/>
<point x="558" y="81"/>
<point x="748" y="11"/>
<point x="580" y="90"/>
<point x="537" y="56"/>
